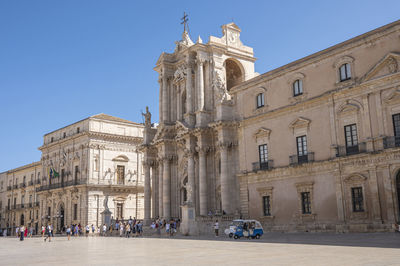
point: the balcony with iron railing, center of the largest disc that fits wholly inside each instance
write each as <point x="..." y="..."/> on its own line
<point x="391" y="142"/>
<point x="30" y="183"/>
<point x="68" y="183"/>
<point x="9" y="188"/>
<point x="300" y="159"/>
<point x="346" y="150"/>
<point x="22" y="185"/>
<point x="263" y="166"/>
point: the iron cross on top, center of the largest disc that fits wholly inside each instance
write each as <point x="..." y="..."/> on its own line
<point x="184" y="20"/>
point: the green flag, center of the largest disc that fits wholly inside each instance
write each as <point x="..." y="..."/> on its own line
<point x="55" y="173"/>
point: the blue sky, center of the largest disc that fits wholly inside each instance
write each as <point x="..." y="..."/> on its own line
<point x="62" y="61"/>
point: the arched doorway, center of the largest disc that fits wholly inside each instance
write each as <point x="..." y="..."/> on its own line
<point x="234" y="73"/>
<point x="398" y="195"/>
<point x="60" y="218"/>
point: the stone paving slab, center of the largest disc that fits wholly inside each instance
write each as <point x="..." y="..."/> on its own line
<point x="272" y="249"/>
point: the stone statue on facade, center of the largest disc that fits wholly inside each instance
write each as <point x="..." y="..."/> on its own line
<point x="147" y="118"/>
<point x="189" y="192"/>
<point x="220" y="91"/>
<point x="105" y="203"/>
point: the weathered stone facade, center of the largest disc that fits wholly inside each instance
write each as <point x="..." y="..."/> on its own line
<point x="312" y="145"/>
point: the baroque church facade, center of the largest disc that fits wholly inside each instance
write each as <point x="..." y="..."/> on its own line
<point x="310" y="146"/>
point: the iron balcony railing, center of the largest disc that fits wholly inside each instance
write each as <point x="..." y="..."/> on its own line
<point x="257" y="166"/>
<point x="22" y="185"/>
<point x="61" y="185"/>
<point x="30" y="183"/>
<point x="391" y="142"/>
<point x="299" y="159"/>
<point x="356" y="149"/>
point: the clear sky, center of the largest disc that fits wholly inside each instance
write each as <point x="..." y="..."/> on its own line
<point x="62" y="61"/>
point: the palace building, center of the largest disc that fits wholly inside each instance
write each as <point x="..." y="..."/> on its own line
<point x="87" y="169"/>
<point x="310" y="146"/>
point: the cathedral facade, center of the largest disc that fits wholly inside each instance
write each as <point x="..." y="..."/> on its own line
<point x="310" y="146"/>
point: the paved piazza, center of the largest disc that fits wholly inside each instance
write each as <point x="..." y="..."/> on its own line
<point x="273" y="249"/>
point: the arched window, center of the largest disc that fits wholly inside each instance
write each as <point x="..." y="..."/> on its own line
<point x="345" y="72"/>
<point x="260" y="100"/>
<point x="297" y="87"/>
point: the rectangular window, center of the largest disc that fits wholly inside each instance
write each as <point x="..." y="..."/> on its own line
<point x="263" y="156"/>
<point x="297" y="87"/>
<point x="350" y="132"/>
<point x="75" y="211"/>
<point x="64" y="135"/>
<point x="302" y="149"/>
<point x="76" y="173"/>
<point x="357" y="199"/>
<point x="120" y="210"/>
<point x="260" y="100"/>
<point x="267" y="205"/>
<point x="78" y="130"/>
<point x="49" y="212"/>
<point x="345" y="72"/>
<point x="120" y="174"/>
<point x="9" y="204"/>
<point x="305" y="202"/>
<point x="396" y="129"/>
<point x="62" y="176"/>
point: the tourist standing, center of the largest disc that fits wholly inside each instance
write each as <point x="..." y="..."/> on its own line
<point x="93" y="229"/>
<point x="87" y="230"/>
<point x="216" y="228"/>
<point x="121" y="230"/>
<point x="127" y="230"/>
<point x="167" y="228"/>
<point x="104" y="229"/>
<point x="22" y="232"/>
<point x="69" y="232"/>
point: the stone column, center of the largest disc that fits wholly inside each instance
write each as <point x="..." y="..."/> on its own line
<point x="154" y="178"/>
<point x="160" y="106"/>
<point x="166" y="190"/>
<point x="160" y="188"/>
<point x="226" y="198"/>
<point x="202" y="181"/>
<point x="147" y="195"/>
<point x="189" y="100"/>
<point x="200" y="83"/>
<point x="191" y="178"/>
<point x="164" y="98"/>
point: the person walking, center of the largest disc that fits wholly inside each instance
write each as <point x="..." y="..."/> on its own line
<point x="69" y="232"/>
<point x="93" y="229"/>
<point x="167" y="228"/>
<point x="43" y="230"/>
<point x="49" y="233"/>
<point x="216" y="228"/>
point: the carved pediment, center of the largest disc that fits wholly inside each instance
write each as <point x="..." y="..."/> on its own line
<point x="121" y="158"/>
<point x="386" y="66"/>
<point x="262" y="132"/>
<point x="300" y="123"/>
<point x="348" y="107"/>
<point x="393" y="96"/>
<point x="355" y="178"/>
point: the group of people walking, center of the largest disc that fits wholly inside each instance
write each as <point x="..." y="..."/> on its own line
<point x="170" y="227"/>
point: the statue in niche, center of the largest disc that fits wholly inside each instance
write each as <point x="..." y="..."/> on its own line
<point x="147" y="118"/>
<point x="220" y="91"/>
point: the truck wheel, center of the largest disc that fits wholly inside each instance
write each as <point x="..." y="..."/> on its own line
<point x="230" y="235"/>
<point x="258" y="236"/>
<point x="235" y="237"/>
